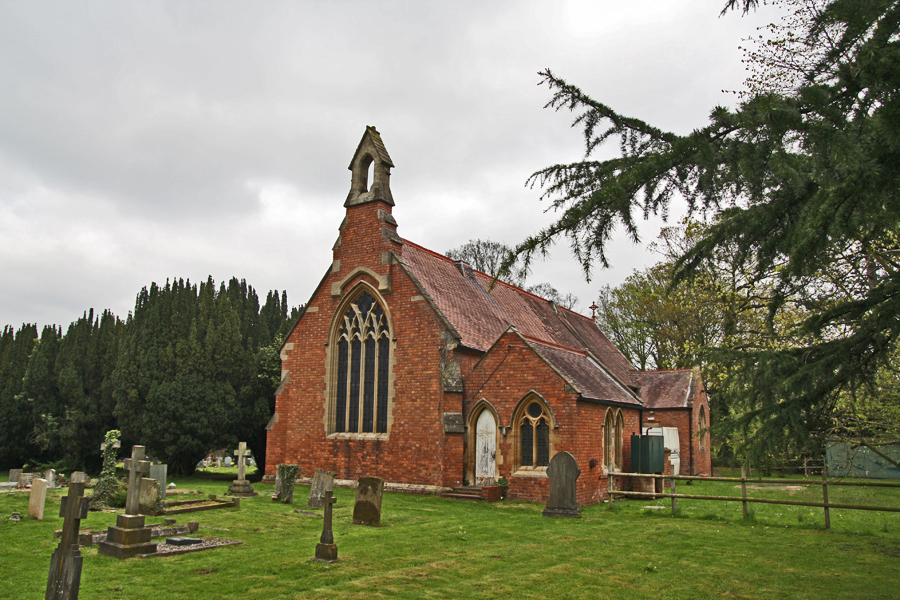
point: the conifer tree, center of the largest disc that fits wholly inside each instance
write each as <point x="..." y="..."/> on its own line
<point x="795" y="180"/>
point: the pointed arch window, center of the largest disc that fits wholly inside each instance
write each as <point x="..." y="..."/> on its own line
<point x="613" y="429"/>
<point x="533" y="428"/>
<point x="363" y="368"/>
<point x="702" y="429"/>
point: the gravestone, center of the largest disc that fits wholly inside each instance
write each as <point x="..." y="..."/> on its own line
<point x="65" y="563"/>
<point x="25" y="479"/>
<point x="240" y="486"/>
<point x="228" y="461"/>
<point x="159" y="473"/>
<point x="14" y="475"/>
<point x="322" y="482"/>
<point x="148" y="502"/>
<point x="367" y="509"/>
<point x="129" y="537"/>
<point x="276" y="493"/>
<point x="136" y="465"/>
<point x="563" y="473"/>
<point x="218" y="462"/>
<point x="287" y="475"/>
<point x="326" y="549"/>
<point x="50" y="476"/>
<point x="37" y="499"/>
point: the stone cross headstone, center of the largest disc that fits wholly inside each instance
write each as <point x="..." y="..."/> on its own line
<point x="241" y="454"/>
<point x="65" y="563"/>
<point x="136" y="465"/>
<point x="326" y="549"/>
<point x="322" y="482"/>
<point x="240" y="486"/>
<point x="14" y="475"/>
<point x="563" y="472"/>
<point x="367" y="509"/>
<point x="159" y="473"/>
<point x="38" y="498"/>
<point x="50" y="476"/>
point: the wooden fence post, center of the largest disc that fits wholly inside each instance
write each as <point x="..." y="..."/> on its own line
<point x="673" y="497"/>
<point x="609" y="489"/>
<point x="825" y="500"/>
<point x="744" y="491"/>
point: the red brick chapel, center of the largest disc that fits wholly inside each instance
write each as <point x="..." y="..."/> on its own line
<point x="408" y="366"/>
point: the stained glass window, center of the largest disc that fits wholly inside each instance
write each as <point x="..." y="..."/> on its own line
<point x="363" y="367"/>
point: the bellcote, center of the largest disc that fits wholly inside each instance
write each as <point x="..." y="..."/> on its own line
<point x="368" y="187"/>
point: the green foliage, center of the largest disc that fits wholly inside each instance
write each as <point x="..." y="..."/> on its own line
<point x="803" y="190"/>
<point x="192" y="369"/>
<point x="108" y="488"/>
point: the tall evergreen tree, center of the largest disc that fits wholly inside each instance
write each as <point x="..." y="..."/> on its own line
<point x="16" y="422"/>
<point x="795" y="178"/>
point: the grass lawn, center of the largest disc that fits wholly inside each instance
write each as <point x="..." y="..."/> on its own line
<point x="430" y="547"/>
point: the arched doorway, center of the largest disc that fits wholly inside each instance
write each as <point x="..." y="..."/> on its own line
<point x="485" y="448"/>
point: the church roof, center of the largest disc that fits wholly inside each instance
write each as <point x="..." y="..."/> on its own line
<point x="585" y="374"/>
<point x="480" y="310"/>
<point x="665" y="389"/>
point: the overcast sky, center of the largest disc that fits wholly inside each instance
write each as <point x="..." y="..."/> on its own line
<point x="141" y="141"/>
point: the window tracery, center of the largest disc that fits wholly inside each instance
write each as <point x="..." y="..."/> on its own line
<point x="363" y="368"/>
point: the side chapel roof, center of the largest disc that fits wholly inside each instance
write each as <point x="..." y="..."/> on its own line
<point x="666" y="389"/>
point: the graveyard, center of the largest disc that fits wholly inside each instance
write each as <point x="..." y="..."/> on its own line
<point x="431" y="547"/>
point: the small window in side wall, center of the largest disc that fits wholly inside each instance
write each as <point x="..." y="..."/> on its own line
<point x="702" y="427"/>
<point x="609" y="440"/>
<point x="533" y="427"/>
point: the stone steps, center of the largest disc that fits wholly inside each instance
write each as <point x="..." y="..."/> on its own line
<point x="475" y="494"/>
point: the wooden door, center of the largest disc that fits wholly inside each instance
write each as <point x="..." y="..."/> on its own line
<point x="485" y="448"/>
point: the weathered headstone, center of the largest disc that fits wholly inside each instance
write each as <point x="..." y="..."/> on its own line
<point x="240" y="486"/>
<point x="563" y="472"/>
<point x="65" y="563"/>
<point x="228" y="462"/>
<point x="50" y="476"/>
<point x="37" y="499"/>
<point x="150" y="491"/>
<point x="159" y="473"/>
<point x="326" y="549"/>
<point x="276" y="493"/>
<point x="218" y="462"/>
<point x="135" y="466"/>
<point x="25" y="479"/>
<point x="14" y="475"/>
<point x="322" y="482"/>
<point x="367" y="509"/>
<point x="287" y="474"/>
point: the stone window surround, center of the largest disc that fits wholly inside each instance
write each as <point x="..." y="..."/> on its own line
<point x="613" y="428"/>
<point x="329" y="420"/>
<point x="518" y="470"/>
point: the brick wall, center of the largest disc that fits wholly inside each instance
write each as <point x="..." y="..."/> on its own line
<point x="415" y="450"/>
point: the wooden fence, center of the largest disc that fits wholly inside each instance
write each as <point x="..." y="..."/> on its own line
<point x="745" y="500"/>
